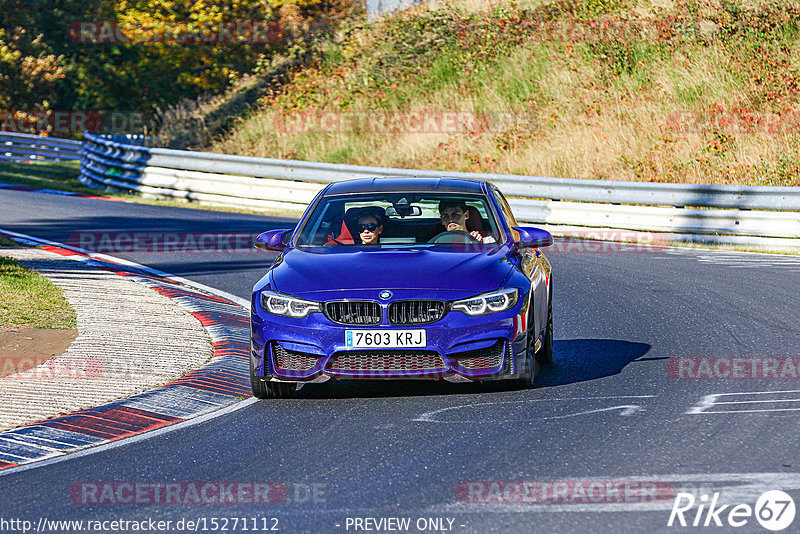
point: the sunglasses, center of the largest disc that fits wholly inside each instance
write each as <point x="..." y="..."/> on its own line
<point x="371" y="227"/>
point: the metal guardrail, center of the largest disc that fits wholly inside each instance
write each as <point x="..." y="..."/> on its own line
<point x="656" y="219"/>
<point x="610" y="191"/>
<point x="28" y="147"/>
<point x="742" y="215"/>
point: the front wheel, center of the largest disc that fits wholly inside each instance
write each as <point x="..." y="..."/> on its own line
<point x="526" y="378"/>
<point x="525" y="381"/>
<point x="269" y="390"/>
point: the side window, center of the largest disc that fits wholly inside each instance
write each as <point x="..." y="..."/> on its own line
<point x="507" y="213"/>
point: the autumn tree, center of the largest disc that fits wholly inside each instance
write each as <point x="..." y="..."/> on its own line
<point x="140" y="55"/>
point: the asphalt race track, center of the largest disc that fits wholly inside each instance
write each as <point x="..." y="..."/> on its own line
<point x="605" y="413"/>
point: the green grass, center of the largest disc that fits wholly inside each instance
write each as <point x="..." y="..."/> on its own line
<point x="61" y="176"/>
<point x="29" y="299"/>
<point x="340" y="155"/>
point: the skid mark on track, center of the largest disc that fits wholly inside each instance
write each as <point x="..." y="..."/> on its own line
<point x="761" y="401"/>
<point x="438" y="416"/>
<point x="738" y="260"/>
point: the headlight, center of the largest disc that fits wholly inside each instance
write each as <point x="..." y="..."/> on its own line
<point x="493" y="302"/>
<point x="287" y="306"/>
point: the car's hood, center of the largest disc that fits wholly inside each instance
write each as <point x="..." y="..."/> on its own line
<point x="443" y="268"/>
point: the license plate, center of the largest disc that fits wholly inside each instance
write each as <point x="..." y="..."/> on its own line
<point x="385" y="338"/>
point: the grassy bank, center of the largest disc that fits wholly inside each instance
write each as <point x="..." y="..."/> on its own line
<point x="29" y="299"/>
<point x="665" y="91"/>
<point x="58" y="175"/>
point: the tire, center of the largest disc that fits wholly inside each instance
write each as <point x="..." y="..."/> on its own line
<point x="525" y="380"/>
<point x="545" y="354"/>
<point x="269" y="390"/>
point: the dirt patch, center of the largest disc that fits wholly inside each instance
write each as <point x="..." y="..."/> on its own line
<point x="23" y="347"/>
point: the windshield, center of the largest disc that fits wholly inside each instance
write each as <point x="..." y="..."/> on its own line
<point x="400" y="219"/>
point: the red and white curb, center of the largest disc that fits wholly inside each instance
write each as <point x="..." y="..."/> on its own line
<point x="220" y="383"/>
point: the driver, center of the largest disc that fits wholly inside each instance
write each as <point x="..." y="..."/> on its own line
<point x="454" y="216"/>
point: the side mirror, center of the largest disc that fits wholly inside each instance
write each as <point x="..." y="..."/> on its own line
<point x="272" y="240"/>
<point x="530" y="237"/>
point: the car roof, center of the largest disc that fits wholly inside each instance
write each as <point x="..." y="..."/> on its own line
<point x="405" y="184"/>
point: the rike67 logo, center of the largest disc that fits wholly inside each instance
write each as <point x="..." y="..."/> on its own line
<point x="774" y="510"/>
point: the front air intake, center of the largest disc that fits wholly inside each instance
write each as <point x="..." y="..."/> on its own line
<point x="354" y="312"/>
<point x="386" y="363"/>
<point x="408" y="312"/>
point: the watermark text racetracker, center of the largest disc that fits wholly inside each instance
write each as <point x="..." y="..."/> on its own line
<point x="164" y="242"/>
<point x="197" y="493"/>
<point x="65" y="367"/>
<point x="735" y="120"/>
<point x="420" y="121"/>
<point x="154" y="32"/>
<point x="64" y="122"/>
<point x="734" y="368"/>
<point x="564" y="491"/>
<point x="607" y="240"/>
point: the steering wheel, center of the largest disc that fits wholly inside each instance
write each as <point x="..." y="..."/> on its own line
<point x="454" y="237"/>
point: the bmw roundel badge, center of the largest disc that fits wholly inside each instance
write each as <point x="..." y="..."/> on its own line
<point x="385" y="295"/>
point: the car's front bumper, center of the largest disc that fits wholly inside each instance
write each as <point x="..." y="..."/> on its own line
<point x="459" y="348"/>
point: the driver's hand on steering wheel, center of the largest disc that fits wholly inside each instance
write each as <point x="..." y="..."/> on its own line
<point x="477" y="235"/>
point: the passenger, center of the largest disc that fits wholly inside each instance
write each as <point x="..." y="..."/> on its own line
<point x="454" y="217"/>
<point x="369" y="229"/>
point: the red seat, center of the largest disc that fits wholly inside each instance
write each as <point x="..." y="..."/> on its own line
<point x="344" y="237"/>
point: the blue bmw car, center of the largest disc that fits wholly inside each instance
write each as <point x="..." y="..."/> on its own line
<point x="402" y="278"/>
